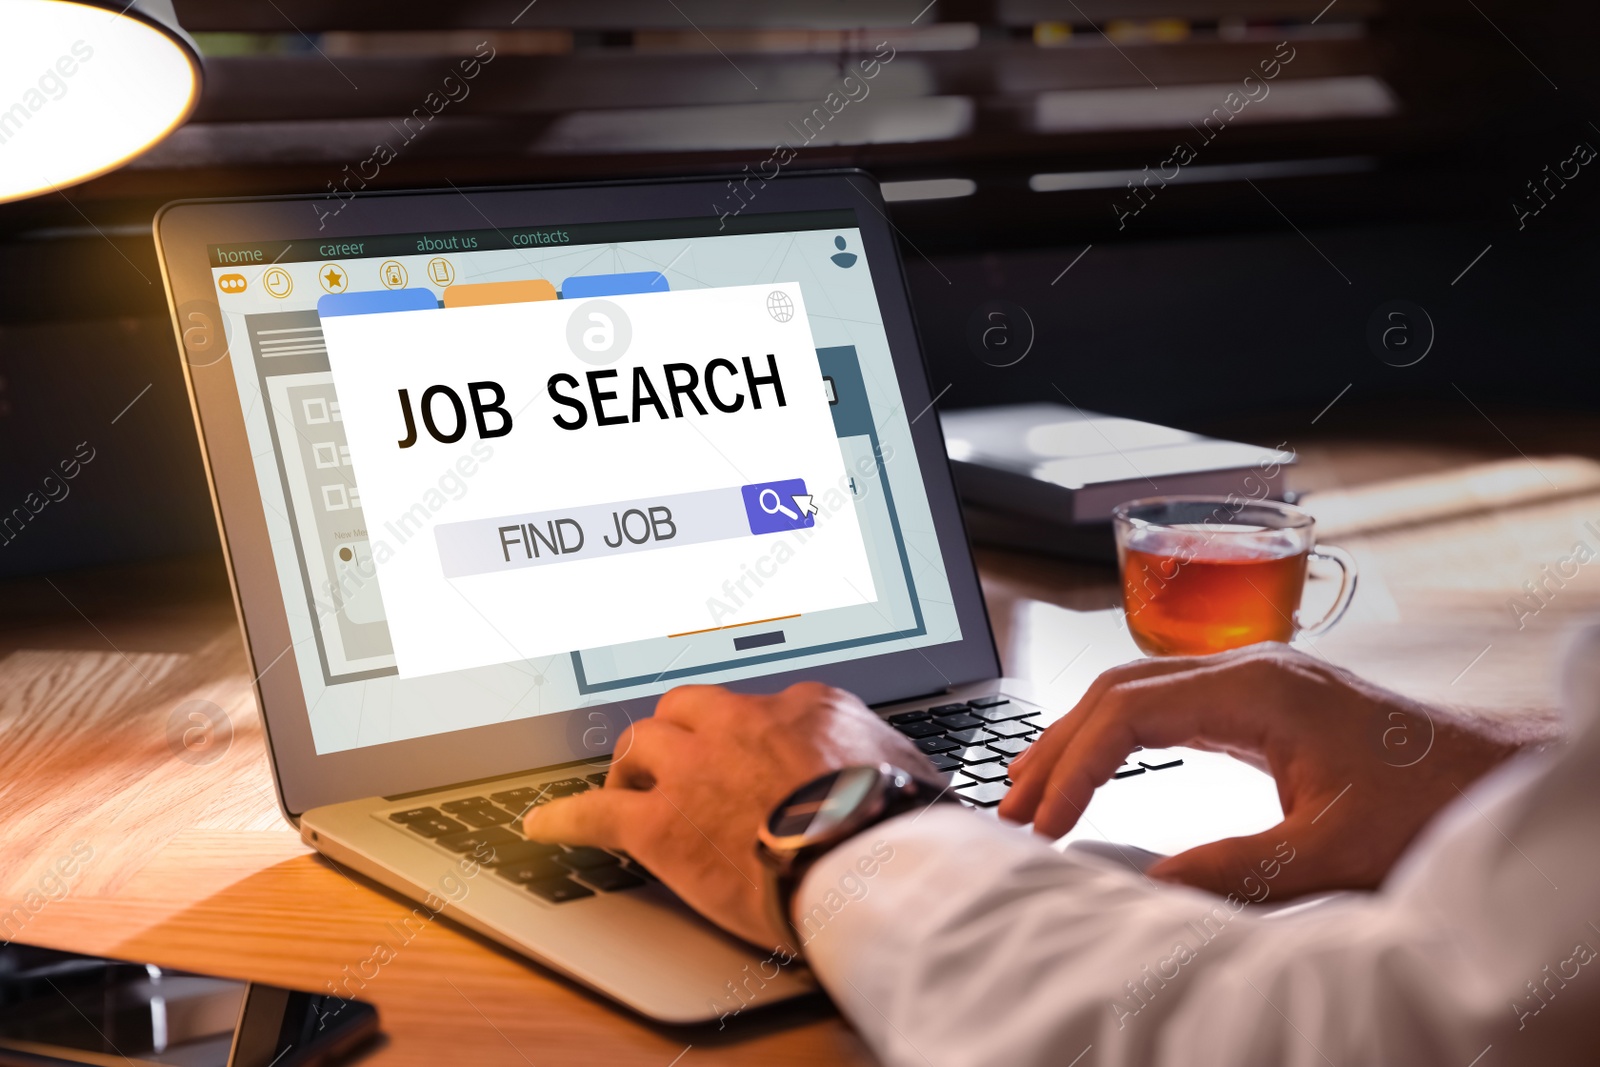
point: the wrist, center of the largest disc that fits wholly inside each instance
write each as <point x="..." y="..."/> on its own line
<point x="1484" y="741"/>
<point x="824" y="815"/>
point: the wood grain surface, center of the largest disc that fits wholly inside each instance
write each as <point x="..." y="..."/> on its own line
<point x="189" y="863"/>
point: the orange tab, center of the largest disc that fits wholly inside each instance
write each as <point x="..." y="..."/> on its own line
<point x="466" y="296"/>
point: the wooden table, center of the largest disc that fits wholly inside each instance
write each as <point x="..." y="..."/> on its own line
<point x="193" y="866"/>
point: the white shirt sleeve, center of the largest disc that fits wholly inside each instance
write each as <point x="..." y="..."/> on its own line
<point x="949" y="938"/>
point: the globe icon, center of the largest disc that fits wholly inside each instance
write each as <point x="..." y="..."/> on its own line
<point x="779" y="306"/>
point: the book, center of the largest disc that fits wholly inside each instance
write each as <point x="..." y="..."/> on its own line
<point x="1036" y="475"/>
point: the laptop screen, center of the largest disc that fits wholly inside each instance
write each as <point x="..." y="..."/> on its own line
<point x="510" y="472"/>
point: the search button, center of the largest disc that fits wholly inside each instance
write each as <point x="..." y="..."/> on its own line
<point x="773" y="507"/>
<point x="772" y="504"/>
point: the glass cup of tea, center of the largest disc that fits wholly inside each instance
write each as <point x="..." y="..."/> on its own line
<point x="1206" y="574"/>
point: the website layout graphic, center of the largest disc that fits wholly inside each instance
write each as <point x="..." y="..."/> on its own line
<point x="503" y="483"/>
<point x="638" y="438"/>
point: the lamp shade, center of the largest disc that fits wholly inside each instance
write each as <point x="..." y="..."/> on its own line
<point x="84" y="88"/>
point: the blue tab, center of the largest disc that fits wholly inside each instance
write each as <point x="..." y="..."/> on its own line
<point x="587" y="285"/>
<point x="376" y="302"/>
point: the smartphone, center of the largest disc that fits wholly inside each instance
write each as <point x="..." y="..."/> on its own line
<point x="63" y="1008"/>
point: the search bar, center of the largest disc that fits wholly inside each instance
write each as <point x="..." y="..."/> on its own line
<point x="594" y="531"/>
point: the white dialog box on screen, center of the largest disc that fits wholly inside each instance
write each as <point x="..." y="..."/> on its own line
<point x="645" y="465"/>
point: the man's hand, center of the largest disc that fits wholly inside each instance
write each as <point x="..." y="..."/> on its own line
<point x="1360" y="770"/>
<point x="691" y="786"/>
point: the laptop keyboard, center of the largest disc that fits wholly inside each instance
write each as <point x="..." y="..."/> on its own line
<point x="975" y="742"/>
<point x="493" y="822"/>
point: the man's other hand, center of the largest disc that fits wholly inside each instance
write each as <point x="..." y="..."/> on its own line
<point x="690" y="787"/>
<point x="1360" y="770"/>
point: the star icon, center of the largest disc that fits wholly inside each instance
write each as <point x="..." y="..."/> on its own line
<point x="334" y="278"/>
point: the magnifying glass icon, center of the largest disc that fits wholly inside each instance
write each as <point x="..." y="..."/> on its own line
<point x="776" y="507"/>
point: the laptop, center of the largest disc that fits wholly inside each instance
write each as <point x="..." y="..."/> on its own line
<point x="495" y="468"/>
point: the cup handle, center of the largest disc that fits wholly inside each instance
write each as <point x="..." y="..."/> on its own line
<point x="1347" y="590"/>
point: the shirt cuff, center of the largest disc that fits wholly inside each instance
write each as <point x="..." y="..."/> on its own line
<point x="863" y="908"/>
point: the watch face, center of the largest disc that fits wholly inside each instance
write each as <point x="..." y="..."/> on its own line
<point x="817" y="809"/>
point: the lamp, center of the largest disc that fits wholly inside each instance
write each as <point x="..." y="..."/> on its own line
<point x="84" y="88"/>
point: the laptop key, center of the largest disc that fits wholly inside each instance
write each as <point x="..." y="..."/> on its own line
<point x="478" y="818"/>
<point x="566" y="787"/>
<point x="632" y="866"/>
<point x="520" y="812"/>
<point x="1010" y="746"/>
<point x="986" y="795"/>
<point x="434" y="825"/>
<point x="959" y="721"/>
<point x="987" y="702"/>
<point x="582" y="858"/>
<point x="493" y="837"/>
<point x="559" y="890"/>
<point x="540" y="869"/>
<point x="975" y="754"/>
<point x="970" y="737"/>
<point x="597" y="779"/>
<point x="1011" y="728"/>
<point x="521" y="851"/>
<point x="1003" y="712"/>
<point x="515" y="798"/>
<point x="946" y="709"/>
<point x="918" y="730"/>
<point x="1128" y="772"/>
<point x="1161" y="766"/>
<point x="528" y="805"/>
<point x="986" y="772"/>
<point x="611" y="879"/>
<point x="907" y="716"/>
<point x="932" y="745"/>
<point x="943" y="763"/>
<point x="414" y="815"/>
<point x="466" y="804"/>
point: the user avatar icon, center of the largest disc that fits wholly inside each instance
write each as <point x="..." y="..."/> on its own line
<point x="842" y="258"/>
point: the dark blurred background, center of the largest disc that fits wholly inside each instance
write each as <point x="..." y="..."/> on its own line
<point x="1395" y="164"/>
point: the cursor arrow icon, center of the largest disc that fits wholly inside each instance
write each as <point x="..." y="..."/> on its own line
<point x="803" y="502"/>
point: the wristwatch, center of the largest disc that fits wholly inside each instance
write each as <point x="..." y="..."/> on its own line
<point x="825" y="812"/>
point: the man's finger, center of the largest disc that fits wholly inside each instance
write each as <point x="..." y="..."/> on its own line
<point x="1031" y="773"/>
<point x="1213" y="704"/>
<point x="1042" y="753"/>
<point x="600" y="817"/>
<point x="1277" y="864"/>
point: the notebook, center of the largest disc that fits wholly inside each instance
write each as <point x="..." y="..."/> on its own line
<point x="1046" y="477"/>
